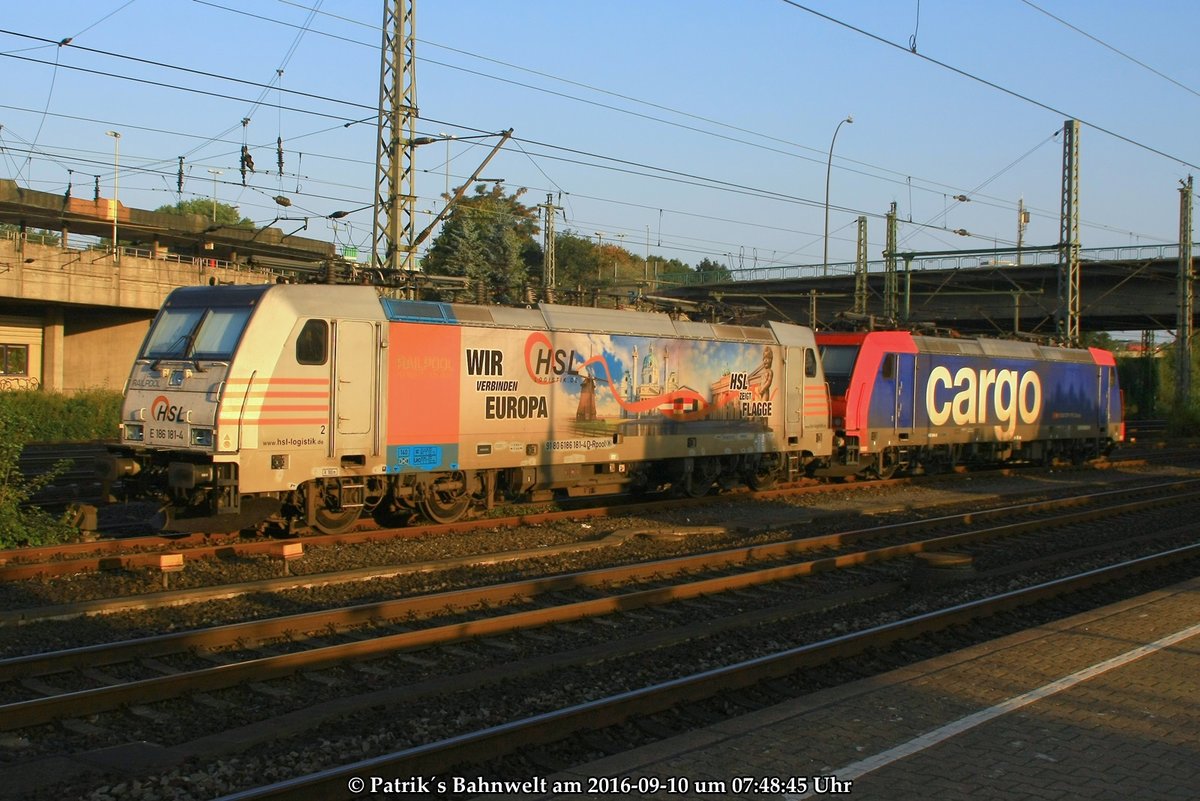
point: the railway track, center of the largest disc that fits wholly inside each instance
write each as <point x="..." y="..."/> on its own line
<point x="75" y="482"/>
<point x="674" y="604"/>
<point x="439" y="759"/>
<point x="149" y="595"/>
<point x="158" y="550"/>
<point x="148" y="550"/>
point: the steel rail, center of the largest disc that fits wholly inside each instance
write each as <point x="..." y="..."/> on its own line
<point x="47" y="561"/>
<point x="707" y="560"/>
<point x="504" y="739"/>
<point x="37" y="711"/>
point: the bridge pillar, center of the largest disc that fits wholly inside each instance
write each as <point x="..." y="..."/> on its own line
<point x="53" y="349"/>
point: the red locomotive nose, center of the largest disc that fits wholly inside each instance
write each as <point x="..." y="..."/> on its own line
<point x="837" y="408"/>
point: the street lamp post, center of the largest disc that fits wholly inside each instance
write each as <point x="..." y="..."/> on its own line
<point x="214" y="174"/>
<point x="622" y="238"/>
<point x="599" y="253"/>
<point x="828" y="170"/>
<point x="116" y="182"/>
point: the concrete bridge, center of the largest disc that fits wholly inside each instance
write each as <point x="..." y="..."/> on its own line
<point x="73" y="311"/>
<point x="990" y="292"/>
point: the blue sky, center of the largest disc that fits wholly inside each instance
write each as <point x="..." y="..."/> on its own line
<point x="687" y="129"/>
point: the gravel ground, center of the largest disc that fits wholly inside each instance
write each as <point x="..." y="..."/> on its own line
<point x="381" y="731"/>
<point x="384" y="731"/>
<point x="744" y="523"/>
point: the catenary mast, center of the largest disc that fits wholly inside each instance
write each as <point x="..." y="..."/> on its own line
<point x="395" y="192"/>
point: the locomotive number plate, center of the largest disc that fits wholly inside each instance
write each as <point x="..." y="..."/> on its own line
<point x="165" y="435"/>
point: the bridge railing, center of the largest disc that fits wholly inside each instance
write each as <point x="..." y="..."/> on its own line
<point x="948" y="261"/>
<point x="100" y="247"/>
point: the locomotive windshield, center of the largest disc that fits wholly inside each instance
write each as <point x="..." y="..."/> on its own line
<point x="838" y="363"/>
<point x="196" y="333"/>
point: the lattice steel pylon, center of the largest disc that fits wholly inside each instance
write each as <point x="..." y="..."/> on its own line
<point x="860" y="268"/>
<point x="891" y="285"/>
<point x="1183" y="321"/>
<point x="395" y="194"/>
<point x="549" y="255"/>
<point x="1067" y="315"/>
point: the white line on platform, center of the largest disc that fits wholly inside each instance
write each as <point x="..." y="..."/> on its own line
<point x="917" y="744"/>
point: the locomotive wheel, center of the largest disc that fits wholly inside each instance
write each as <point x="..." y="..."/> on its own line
<point x="326" y="512"/>
<point x="329" y="521"/>
<point x="445" y="505"/>
<point x="886" y="465"/>
<point x="762" y="476"/>
<point x="699" y="480"/>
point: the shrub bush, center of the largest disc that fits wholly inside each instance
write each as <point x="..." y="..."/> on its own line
<point x="46" y="417"/>
<point x="53" y="417"/>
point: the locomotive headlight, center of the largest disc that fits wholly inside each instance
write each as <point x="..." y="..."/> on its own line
<point x="202" y="437"/>
<point x="135" y="432"/>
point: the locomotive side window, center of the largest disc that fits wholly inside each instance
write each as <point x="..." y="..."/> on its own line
<point x="312" y="345"/>
<point x="889" y="365"/>
<point x="810" y="363"/>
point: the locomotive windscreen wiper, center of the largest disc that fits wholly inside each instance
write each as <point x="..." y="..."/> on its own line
<point x="188" y="342"/>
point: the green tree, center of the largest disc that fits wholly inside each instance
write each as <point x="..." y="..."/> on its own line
<point x="489" y="238"/>
<point x="712" y="272"/>
<point x="226" y="215"/>
<point x="673" y="272"/>
<point x="1099" y="339"/>
<point x="576" y="263"/>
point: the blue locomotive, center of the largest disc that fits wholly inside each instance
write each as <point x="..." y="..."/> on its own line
<point x="901" y="401"/>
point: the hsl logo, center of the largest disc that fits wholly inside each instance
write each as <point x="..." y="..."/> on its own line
<point x="162" y="410"/>
<point x="547" y="364"/>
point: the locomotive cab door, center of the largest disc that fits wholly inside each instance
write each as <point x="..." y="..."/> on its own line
<point x="895" y="388"/>
<point x="807" y="394"/>
<point x="355" y="369"/>
<point x="1104" y="404"/>
<point x="794" y="381"/>
<point x="906" y="386"/>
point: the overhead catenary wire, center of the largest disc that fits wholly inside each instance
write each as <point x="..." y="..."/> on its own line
<point x="1116" y="50"/>
<point x="546" y="145"/>
<point x="899" y="177"/>
<point x="58" y="46"/>
<point x="992" y="84"/>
